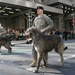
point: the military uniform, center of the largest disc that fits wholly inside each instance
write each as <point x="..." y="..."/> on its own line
<point x="2" y="30"/>
<point x="42" y="22"/>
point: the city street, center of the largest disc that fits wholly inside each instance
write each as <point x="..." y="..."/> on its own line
<point x="48" y="17"/>
<point x="18" y="61"/>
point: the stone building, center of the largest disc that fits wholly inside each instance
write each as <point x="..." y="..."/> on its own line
<point x="19" y="14"/>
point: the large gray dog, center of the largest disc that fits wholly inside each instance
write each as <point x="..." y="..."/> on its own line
<point x="45" y="43"/>
<point x="4" y="41"/>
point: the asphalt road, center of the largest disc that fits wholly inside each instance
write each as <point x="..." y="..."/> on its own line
<point x="18" y="61"/>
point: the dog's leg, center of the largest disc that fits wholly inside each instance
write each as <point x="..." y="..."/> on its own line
<point x="61" y="55"/>
<point x="10" y="50"/>
<point x="8" y="47"/>
<point x="0" y="48"/>
<point x="39" y="58"/>
<point x="34" y="55"/>
<point x="59" y="49"/>
<point x="45" y="59"/>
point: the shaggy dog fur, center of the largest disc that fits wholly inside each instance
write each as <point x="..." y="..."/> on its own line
<point x="45" y="43"/>
<point x="4" y="41"/>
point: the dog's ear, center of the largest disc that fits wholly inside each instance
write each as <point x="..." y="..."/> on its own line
<point x="33" y="27"/>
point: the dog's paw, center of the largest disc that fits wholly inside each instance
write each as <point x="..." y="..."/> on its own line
<point x="35" y="71"/>
<point x="44" y="66"/>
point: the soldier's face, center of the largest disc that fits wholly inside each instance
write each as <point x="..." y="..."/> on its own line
<point x="39" y="11"/>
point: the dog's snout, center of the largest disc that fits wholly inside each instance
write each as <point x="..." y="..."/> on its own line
<point x="26" y="32"/>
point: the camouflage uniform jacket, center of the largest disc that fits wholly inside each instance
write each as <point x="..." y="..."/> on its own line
<point x="43" y="22"/>
<point x="2" y="30"/>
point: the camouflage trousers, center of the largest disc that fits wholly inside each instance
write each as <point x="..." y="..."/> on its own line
<point x="34" y="54"/>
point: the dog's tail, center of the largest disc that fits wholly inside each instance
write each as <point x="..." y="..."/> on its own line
<point x="65" y="48"/>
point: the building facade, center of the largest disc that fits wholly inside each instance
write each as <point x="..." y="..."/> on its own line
<point x="68" y="16"/>
<point x="19" y="14"/>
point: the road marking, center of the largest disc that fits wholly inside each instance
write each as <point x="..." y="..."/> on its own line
<point x="71" y="47"/>
<point x="69" y="43"/>
<point x="2" y="62"/>
<point x="68" y="57"/>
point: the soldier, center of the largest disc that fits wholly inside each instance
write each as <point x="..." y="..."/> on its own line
<point x="43" y="23"/>
<point x="2" y="30"/>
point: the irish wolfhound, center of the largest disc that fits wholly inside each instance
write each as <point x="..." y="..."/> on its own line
<point x="4" y="41"/>
<point x="45" y="43"/>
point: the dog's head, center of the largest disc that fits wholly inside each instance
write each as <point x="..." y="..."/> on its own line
<point x="29" y="32"/>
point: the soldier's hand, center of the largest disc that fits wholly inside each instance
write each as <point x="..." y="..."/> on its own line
<point x="42" y="30"/>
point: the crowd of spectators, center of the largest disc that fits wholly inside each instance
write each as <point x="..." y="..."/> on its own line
<point x="19" y="34"/>
<point x="64" y="34"/>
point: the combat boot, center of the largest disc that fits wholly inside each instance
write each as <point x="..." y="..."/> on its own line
<point x="34" y="63"/>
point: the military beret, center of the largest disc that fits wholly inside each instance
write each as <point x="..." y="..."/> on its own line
<point x="40" y="7"/>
